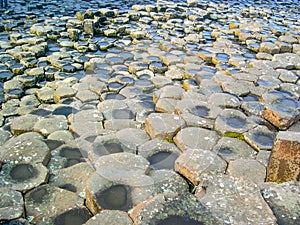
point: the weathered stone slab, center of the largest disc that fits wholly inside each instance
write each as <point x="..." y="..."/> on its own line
<point x="235" y="200"/>
<point x="163" y="126"/>
<point x="11" y="204"/>
<point x="110" y="217"/>
<point x="194" y="137"/>
<point x="284" y="162"/>
<point x="283" y="199"/>
<point x="197" y="165"/>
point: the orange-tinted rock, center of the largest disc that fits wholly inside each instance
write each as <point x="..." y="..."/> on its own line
<point x="284" y="162"/>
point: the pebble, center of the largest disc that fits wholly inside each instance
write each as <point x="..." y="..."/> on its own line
<point x="105" y="99"/>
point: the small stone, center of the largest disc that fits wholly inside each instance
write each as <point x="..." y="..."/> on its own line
<point x="88" y="26"/>
<point x="163" y="126"/>
<point x="233" y="121"/>
<point x="45" y="95"/>
<point x="86" y="95"/>
<point x="284" y="160"/>
<point x="22" y="149"/>
<point x="63" y="92"/>
<point x="172" y="209"/>
<point x="269" y="47"/>
<point x="197" y="165"/>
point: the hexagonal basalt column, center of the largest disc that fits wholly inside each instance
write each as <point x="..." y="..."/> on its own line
<point x="232" y="121"/>
<point x="23" y="176"/>
<point x="52" y="204"/>
<point x="19" y="149"/>
<point x="117" y="190"/>
<point x="11" y="204"/>
<point x="110" y="217"/>
<point x="172" y="209"/>
<point x="194" y="137"/>
<point x="163" y="126"/>
<point x="197" y="165"/>
<point x="160" y="154"/>
<point x="285" y="158"/>
<point x="283" y="112"/>
<point x="260" y="138"/>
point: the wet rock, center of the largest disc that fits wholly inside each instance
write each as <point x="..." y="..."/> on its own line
<point x="72" y="178"/>
<point x="163" y="126"/>
<point x="117" y="190"/>
<point x="231" y="149"/>
<point x="222" y="196"/>
<point x="160" y="154"/>
<point x="282" y="112"/>
<point x="110" y="217"/>
<point x="260" y="138"/>
<point x="197" y="171"/>
<point x="44" y="202"/>
<point x="23" y="176"/>
<point x="282" y="199"/>
<point x="233" y="121"/>
<point x="171" y="209"/>
<point x="194" y="138"/>
<point x="284" y="159"/>
<point x="11" y="204"/>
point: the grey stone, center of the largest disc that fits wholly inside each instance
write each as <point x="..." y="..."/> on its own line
<point x="110" y="217"/>
<point x="283" y="199"/>
<point x="11" y="204"/>
<point x="23" y="124"/>
<point x="197" y="165"/>
<point x="194" y="138"/>
<point x="47" y="126"/>
<point x="222" y="196"/>
<point x="163" y="126"/>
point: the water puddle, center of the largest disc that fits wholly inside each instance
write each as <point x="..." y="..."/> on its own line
<point x="72" y="217"/>
<point x="236" y="122"/>
<point x="201" y="111"/>
<point x="122" y="114"/>
<point x="163" y="160"/>
<point x="73" y="156"/>
<point x="263" y="139"/>
<point x="178" y="220"/>
<point x="115" y="198"/>
<point x="22" y="172"/>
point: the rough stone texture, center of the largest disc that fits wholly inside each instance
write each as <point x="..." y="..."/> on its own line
<point x="23" y="176"/>
<point x="163" y="126"/>
<point x="248" y="169"/>
<point x="231" y="149"/>
<point x="47" y="126"/>
<point x="23" y="124"/>
<point x="282" y="112"/>
<point x="110" y="217"/>
<point x="161" y="207"/>
<point x="283" y="199"/>
<point x="25" y="150"/>
<point x="72" y="178"/>
<point x="11" y="204"/>
<point x="197" y="165"/>
<point x="235" y="200"/>
<point x="44" y="202"/>
<point x="284" y="162"/>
